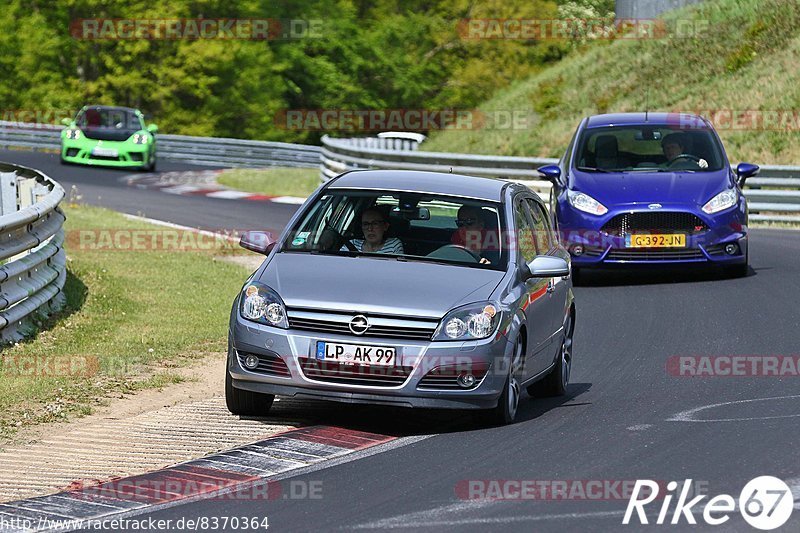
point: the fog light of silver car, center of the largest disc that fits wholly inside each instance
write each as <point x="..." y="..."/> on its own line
<point x="251" y="362"/>
<point x="731" y="249"/>
<point x="465" y="380"/>
<point x="577" y="250"/>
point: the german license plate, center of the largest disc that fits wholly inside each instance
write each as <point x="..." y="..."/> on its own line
<point x="673" y="240"/>
<point x="104" y="152"/>
<point x="355" y="354"/>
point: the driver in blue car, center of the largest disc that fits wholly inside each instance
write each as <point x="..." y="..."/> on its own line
<point x="472" y="233"/>
<point x="675" y="148"/>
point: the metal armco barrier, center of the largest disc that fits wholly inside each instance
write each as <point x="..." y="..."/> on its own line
<point x="210" y="151"/>
<point x="33" y="272"/>
<point x="773" y="195"/>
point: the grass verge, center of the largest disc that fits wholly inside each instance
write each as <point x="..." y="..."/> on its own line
<point x="133" y="315"/>
<point x="739" y="69"/>
<point x="272" y="181"/>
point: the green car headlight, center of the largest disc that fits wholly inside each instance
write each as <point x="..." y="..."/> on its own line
<point x="140" y="138"/>
<point x="73" y="134"/>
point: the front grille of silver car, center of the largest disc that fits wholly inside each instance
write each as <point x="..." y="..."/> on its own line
<point x="387" y="326"/>
<point x="354" y="374"/>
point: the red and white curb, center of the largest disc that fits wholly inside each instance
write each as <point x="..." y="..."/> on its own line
<point x="155" y="182"/>
<point x="246" y="472"/>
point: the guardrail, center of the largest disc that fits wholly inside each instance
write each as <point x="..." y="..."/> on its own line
<point x="212" y="151"/>
<point x="33" y="269"/>
<point x="773" y="196"/>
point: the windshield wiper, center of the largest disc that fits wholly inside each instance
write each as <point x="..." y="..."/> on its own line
<point x="594" y="169"/>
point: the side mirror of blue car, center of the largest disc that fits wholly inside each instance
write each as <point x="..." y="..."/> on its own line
<point x="551" y="173"/>
<point x="746" y="170"/>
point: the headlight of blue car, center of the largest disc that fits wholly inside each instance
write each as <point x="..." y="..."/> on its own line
<point x="584" y="202"/>
<point x="261" y="304"/>
<point x="722" y="201"/>
<point x="470" y="322"/>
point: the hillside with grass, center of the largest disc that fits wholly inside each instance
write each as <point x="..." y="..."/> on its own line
<point x="745" y="59"/>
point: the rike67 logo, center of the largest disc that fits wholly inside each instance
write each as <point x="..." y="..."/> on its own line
<point x="765" y="503"/>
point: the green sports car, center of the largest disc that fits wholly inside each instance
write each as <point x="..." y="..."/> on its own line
<point x="109" y="136"/>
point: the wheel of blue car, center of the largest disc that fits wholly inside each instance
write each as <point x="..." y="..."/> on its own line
<point x="556" y="382"/>
<point x="508" y="402"/>
<point x="244" y="402"/>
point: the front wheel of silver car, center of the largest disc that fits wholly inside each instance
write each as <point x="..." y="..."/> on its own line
<point x="508" y="402"/>
<point x="244" y="402"/>
<point x="556" y="382"/>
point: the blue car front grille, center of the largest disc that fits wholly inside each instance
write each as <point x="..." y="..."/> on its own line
<point x="655" y="222"/>
<point x="654" y="254"/>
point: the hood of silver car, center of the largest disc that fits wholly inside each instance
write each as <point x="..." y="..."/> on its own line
<point x="373" y="285"/>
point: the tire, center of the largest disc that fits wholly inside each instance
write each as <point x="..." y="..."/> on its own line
<point x="557" y="381"/>
<point x="244" y="402"/>
<point x="508" y="403"/>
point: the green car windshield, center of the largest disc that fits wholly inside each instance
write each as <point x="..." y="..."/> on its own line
<point x="108" y="118"/>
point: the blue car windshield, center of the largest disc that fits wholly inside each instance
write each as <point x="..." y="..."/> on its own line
<point x="648" y="148"/>
<point x="408" y="226"/>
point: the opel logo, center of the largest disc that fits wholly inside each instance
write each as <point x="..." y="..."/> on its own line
<point x="359" y="325"/>
<point x="654" y="206"/>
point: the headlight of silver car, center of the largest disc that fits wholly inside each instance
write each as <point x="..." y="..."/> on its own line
<point x="722" y="201"/>
<point x="73" y="134"/>
<point x="261" y="304"/>
<point x="470" y="322"/>
<point x="584" y="202"/>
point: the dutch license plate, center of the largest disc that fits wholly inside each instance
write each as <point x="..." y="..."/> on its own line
<point x="105" y="152"/>
<point x="355" y="354"/>
<point x="674" y="240"/>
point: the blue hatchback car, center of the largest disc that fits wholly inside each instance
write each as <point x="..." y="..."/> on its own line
<point x="650" y="188"/>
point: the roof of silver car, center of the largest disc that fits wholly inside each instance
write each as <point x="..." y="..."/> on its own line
<point x="426" y="182"/>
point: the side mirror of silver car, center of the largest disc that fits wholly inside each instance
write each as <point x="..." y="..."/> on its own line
<point x="257" y="241"/>
<point x="547" y="266"/>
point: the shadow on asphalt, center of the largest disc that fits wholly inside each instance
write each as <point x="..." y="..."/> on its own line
<point x="655" y="276"/>
<point x="404" y="421"/>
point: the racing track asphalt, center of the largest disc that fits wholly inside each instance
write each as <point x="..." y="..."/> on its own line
<point x="615" y="424"/>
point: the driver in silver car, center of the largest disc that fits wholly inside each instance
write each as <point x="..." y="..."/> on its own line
<point x="472" y="233"/>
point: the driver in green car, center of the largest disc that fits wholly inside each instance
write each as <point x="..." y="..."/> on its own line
<point x="674" y="147"/>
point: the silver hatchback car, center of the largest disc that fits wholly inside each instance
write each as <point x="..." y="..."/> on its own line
<point x="406" y="288"/>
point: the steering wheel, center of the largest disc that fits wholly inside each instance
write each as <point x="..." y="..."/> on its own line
<point x="442" y="253"/>
<point x="340" y="239"/>
<point x="685" y="156"/>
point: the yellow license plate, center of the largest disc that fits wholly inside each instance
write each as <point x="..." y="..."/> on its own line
<point x="675" y="240"/>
